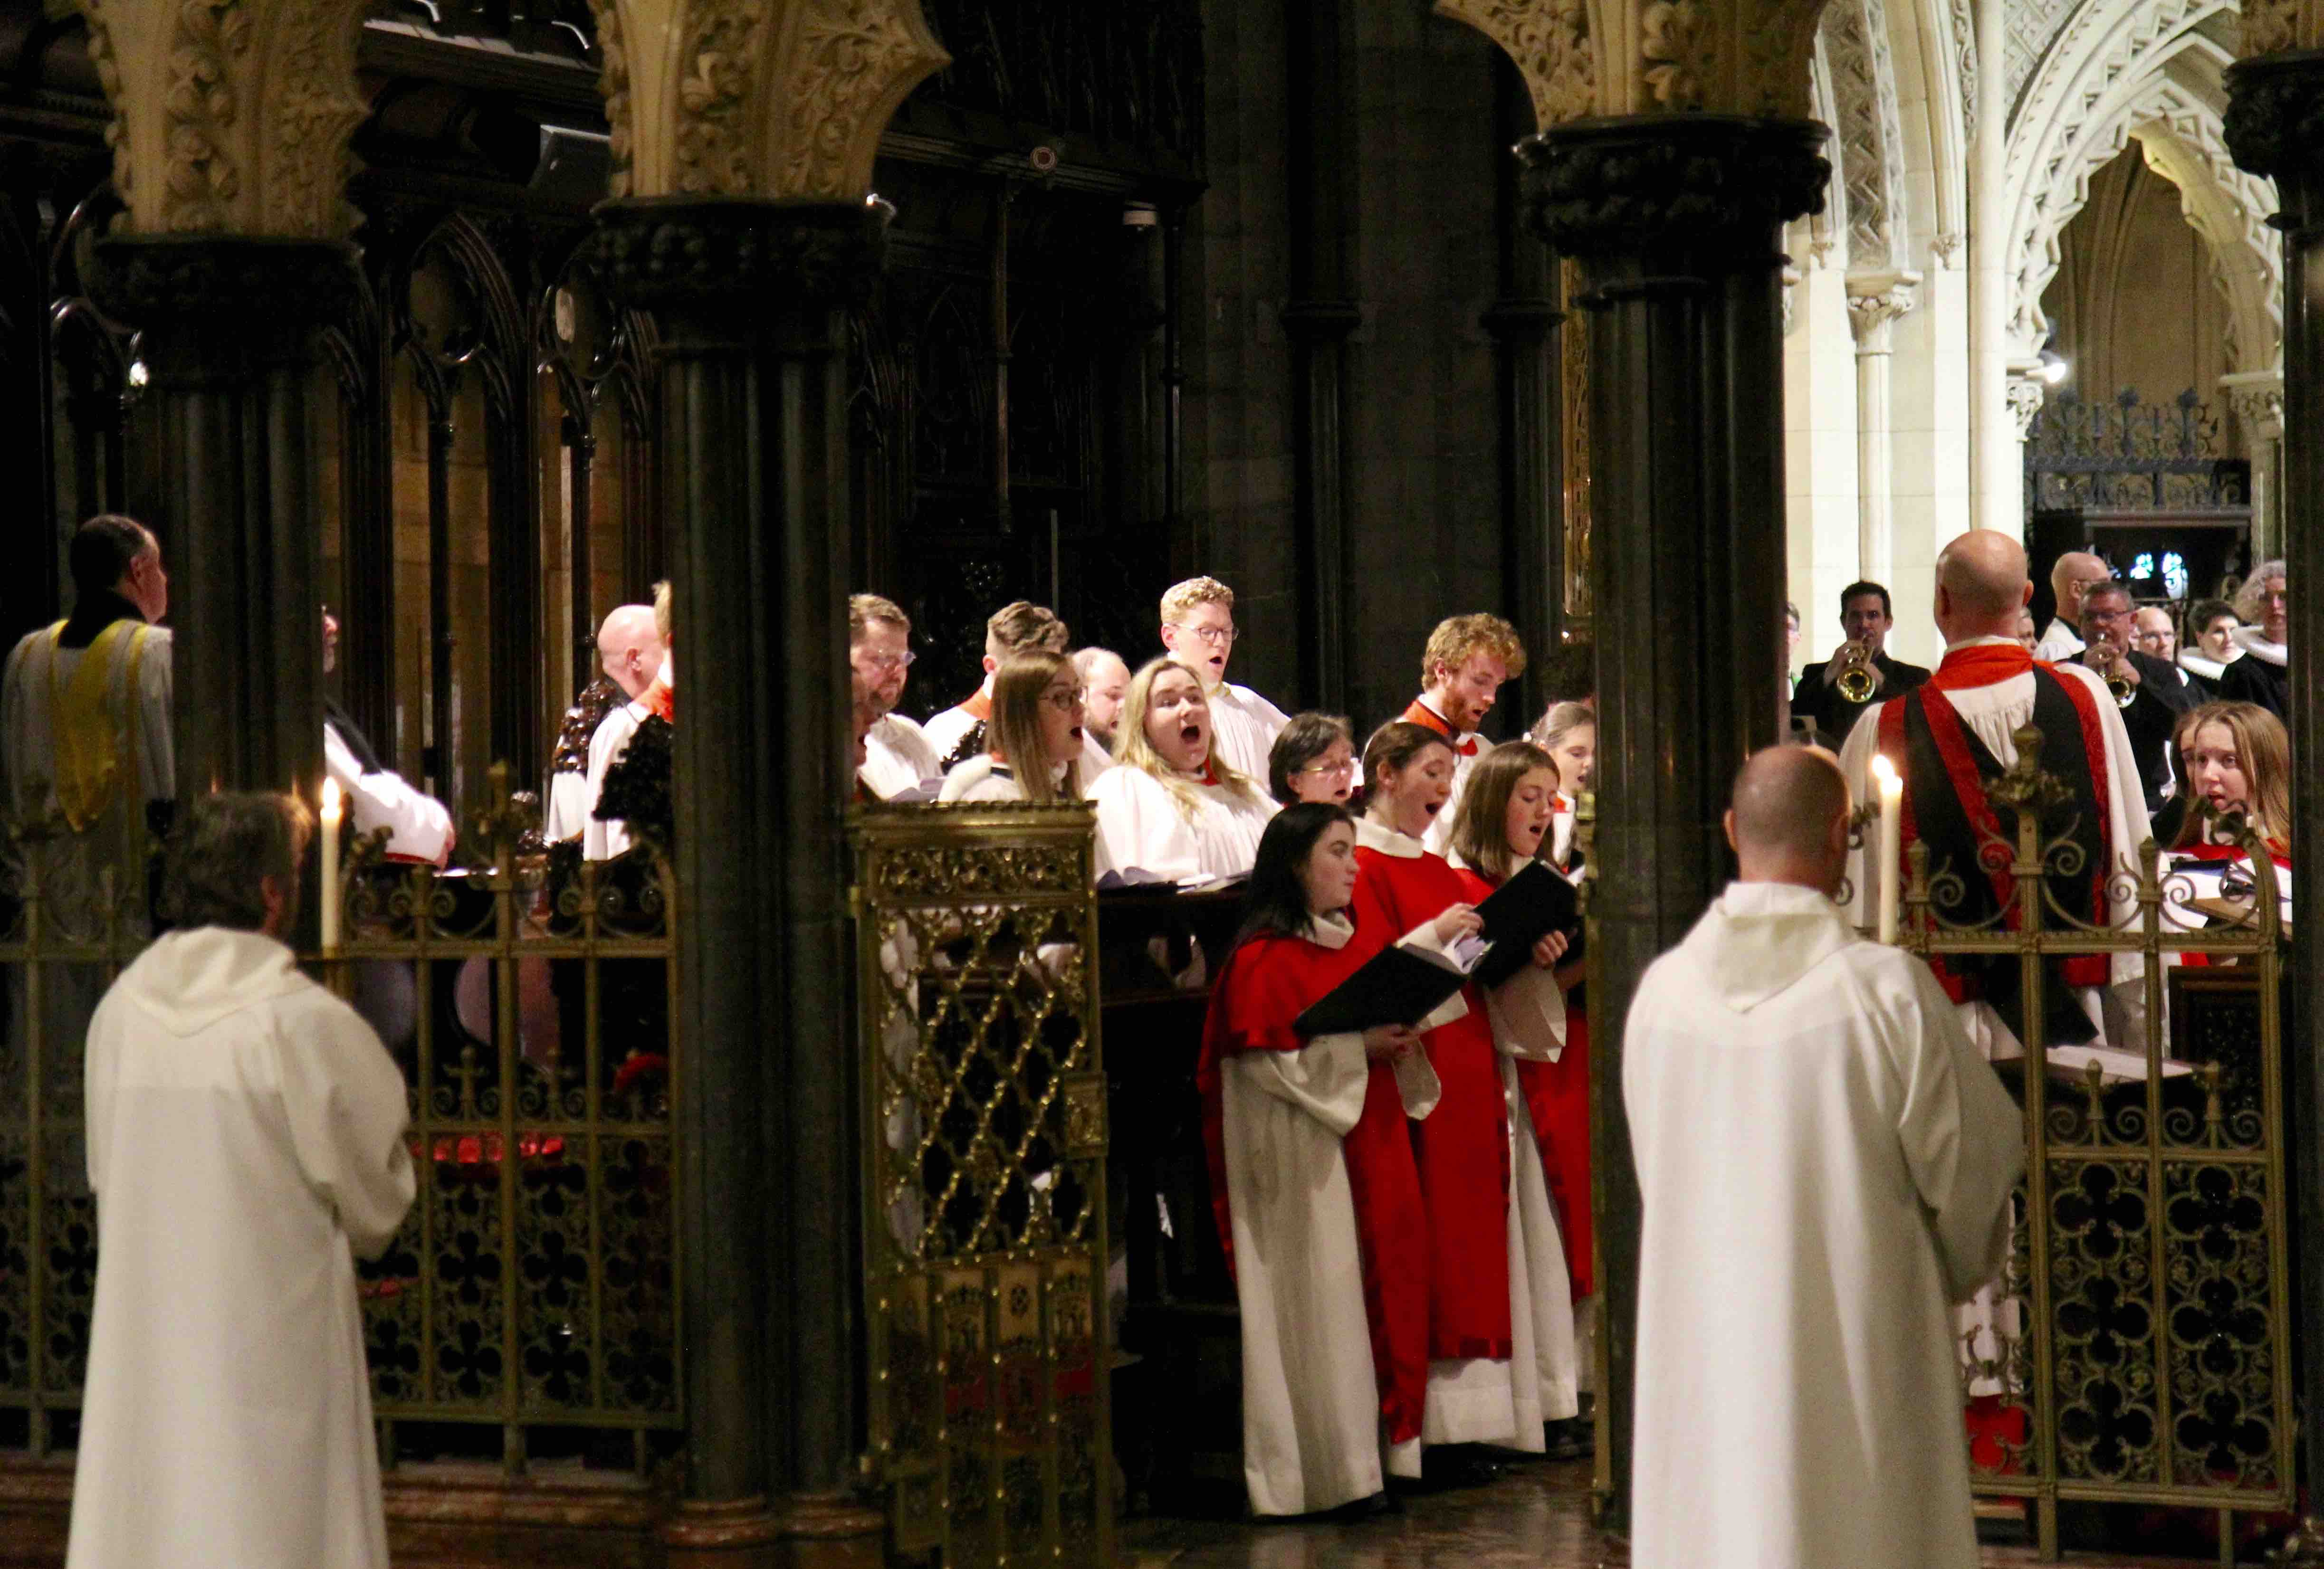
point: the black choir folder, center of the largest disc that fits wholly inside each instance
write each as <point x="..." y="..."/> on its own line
<point x="1402" y="986"/>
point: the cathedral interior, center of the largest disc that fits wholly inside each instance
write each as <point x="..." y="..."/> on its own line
<point x="1627" y="320"/>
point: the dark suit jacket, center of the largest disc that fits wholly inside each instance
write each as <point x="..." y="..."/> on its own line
<point x="1833" y="714"/>
<point x="2163" y="697"/>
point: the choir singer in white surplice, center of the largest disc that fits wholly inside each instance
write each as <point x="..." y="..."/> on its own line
<point x="245" y="1143"/>
<point x="1826" y="1164"/>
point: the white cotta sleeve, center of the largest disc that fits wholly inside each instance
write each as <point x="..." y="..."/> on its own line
<point x="418" y="827"/>
<point x="157" y="756"/>
<point x="1963" y="1138"/>
<point x="1528" y="1015"/>
<point x="345" y="1099"/>
<point x="100" y="1067"/>
<point x="1423" y="938"/>
<point x="1326" y="1079"/>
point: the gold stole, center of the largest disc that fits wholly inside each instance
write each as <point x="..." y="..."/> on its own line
<point x="87" y="766"/>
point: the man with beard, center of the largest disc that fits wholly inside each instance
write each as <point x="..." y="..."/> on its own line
<point x="897" y="754"/>
<point x="1461" y="669"/>
<point x="1105" y="682"/>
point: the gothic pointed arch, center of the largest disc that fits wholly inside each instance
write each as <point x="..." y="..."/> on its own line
<point x="1868" y="134"/>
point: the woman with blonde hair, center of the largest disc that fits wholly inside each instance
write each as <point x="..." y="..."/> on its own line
<point x="1568" y="733"/>
<point x="1501" y="826"/>
<point x="2235" y="757"/>
<point x="1033" y="743"/>
<point x="1170" y="806"/>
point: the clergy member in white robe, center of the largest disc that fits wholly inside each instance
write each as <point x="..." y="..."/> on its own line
<point x="897" y="754"/>
<point x="1013" y="628"/>
<point x="2071" y="575"/>
<point x="1461" y="669"/>
<point x="1198" y="631"/>
<point x="565" y="814"/>
<point x="1825" y="1163"/>
<point x="1168" y="807"/>
<point x="418" y="826"/>
<point x="636" y="657"/>
<point x="246" y="1142"/>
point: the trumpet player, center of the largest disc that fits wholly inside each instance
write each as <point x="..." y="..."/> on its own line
<point x="1859" y="673"/>
<point x="2147" y="690"/>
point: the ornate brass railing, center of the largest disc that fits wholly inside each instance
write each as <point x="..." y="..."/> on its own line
<point x="2141" y="1339"/>
<point x="528" y="1311"/>
<point x="983" y="1135"/>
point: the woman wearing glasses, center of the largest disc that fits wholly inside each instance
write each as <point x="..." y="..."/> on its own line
<point x="1033" y="743"/>
<point x="1314" y="759"/>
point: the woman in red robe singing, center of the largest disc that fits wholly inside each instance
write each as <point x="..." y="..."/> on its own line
<point x="1313" y="1180"/>
<point x="1462" y="1149"/>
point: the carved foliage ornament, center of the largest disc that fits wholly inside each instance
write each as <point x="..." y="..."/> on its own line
<point x="753" y="99"/>
<point x="1584" y="57"/>
<point x="2275" y="122"/>
<point x="1703" y="184"/>
<point x="231" y="115"/>
<point x="2270" y="26"/>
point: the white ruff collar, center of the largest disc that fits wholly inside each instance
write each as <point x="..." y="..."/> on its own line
<point x="1334" y="930"/>
<point x="2208" y="668"/>
<point x="1373" y="835"/>
<point x="2250" y="641"/>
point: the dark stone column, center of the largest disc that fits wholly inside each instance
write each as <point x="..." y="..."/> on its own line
<point x="1678" y="224"/>
<point x="230" y="340"/>
<point x="748" y="298"/>
<point x="2276" y="127"/>
<point x="1319" y="151"/>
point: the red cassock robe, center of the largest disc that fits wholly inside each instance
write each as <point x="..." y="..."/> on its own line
<point x="1267" y="984"/>
<point x="1557" y="1094"/>
<point x="1463" y="1146"/>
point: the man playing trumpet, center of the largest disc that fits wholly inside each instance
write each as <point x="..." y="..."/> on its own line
<point x="2147" y="690"/>
<point x="1859" y="673"/>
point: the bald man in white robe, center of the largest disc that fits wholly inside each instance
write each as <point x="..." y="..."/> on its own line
<point x="1826" y="1162"/>
<point x="630" y="650"/>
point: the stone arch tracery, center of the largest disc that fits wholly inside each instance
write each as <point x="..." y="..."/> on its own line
<point x="1869" y="133"/>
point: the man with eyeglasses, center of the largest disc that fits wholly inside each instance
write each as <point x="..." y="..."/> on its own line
<point x="2158" y="696"/>
<point x="896" y="753"/>
<point x="2071" y="576"/>
<point x="1198" y="629"/>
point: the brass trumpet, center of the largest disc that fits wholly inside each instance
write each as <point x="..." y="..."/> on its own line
<point x="1857" y="680"/>
<point x="2125" y="693"/>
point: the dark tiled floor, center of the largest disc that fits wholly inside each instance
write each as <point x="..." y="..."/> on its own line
<point x="1536" y="1517"/>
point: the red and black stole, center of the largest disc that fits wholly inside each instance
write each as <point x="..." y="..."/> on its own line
<point x="1947" y="771"/>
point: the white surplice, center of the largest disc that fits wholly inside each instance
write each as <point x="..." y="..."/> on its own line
<point x="2060" y="643"/>
<point x="1826" y="1163"/>
<point x="418" y="826"/>
<point x="1243" y="727"/>
<point x="897" y="757"/>
<point x="947" y="729"/>
<point x="245" y="1143"/>
<point x="1994" y="714"/>
<point x="985" y="777"/>
<point x="567" y="813"/>
<point x="1139" y="824"/>
<point x="1309" y="1406"/>
<point x="1095" y="758"/>
<point x="603" y="841"/>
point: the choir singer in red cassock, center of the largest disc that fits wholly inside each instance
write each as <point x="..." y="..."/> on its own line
<point x="1312" y="1177"/>
<point x="1463" y="1146"/>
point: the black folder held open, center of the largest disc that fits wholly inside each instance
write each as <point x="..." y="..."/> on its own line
<point x="1402" y="986"/>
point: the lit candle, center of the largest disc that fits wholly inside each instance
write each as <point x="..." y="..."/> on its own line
<point x="330" y="866"/>
<point x="1892" y="834"/>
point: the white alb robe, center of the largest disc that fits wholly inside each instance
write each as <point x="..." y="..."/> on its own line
<point x="567" y="813"/>
<point x="245" y="1142"/>
<point x="601" y="841"/>
<point x="1243" y="727"/>
<point x="1141" y="825"/>
<point x="947" y="729"/>
<point x="1994" y="714"/>
<point x="418" y="826"/>
<point x="1826" y="1162"/>
<point x="897" y="757"/>
<point x="2059" y="643"/>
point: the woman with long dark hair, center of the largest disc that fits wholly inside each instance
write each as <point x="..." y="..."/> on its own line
<point x="1314" y="1183"/>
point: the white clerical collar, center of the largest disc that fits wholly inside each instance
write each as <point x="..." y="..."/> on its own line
<point x="1980" y="643"/>
<point x="1331" y="929"/>
<point x="2253" y="642"/>
<point x="1373" y="835"/>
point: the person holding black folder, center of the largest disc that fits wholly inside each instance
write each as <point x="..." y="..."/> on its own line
<point x="1503" y="821"/>
<point x="1462" y="1148"/>
<point x="1313" y="1185"/>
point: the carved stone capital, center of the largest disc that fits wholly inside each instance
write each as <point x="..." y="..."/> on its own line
<point x="1712" y="189"/>
<point x="2275" y="122"/>
<point x="2025" y="396"/>
<point x="1947" y="246"/>
<point x="652" y="252"/>
<point x="2257" y="398"/>
<point x="230" y="117"/>
<point x="756" y="98"/>
<point x="2279" y="26"/>
<point x="237" y="296"/>
<point x="1875" y="301"/>
<point x="1584" y="57"/>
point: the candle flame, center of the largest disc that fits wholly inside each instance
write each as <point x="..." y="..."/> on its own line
<point x="1884" y="773"/>
<point x="331" y="800"/>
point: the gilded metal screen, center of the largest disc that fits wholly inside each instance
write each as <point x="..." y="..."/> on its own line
<point x="2138" y="1346"/>
<point x="984" y="1132"/>
<point x="528" y="1311"/>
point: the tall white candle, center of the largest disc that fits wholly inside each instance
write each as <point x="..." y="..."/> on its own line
<point x="1891" y="841"/>
<point x="330" y="853"/>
